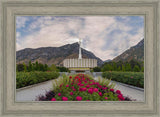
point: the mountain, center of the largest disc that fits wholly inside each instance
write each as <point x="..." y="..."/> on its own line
<point x="53" y="55"/>
<point x="135" y="52"/>
<point x="107" y="60"/>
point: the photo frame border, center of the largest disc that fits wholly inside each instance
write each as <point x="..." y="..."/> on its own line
<point x="10" y="9"/>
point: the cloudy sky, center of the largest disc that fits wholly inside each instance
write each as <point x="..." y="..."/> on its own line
<point x="105" y="36"/>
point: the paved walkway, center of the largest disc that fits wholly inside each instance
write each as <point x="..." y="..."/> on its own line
<point x="30" y="93"/>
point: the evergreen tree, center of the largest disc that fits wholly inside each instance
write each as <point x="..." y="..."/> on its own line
<point x="96" y="69"/>
<point x="25" y="67"/>
<point x="128" y="67"/>
<point x="136" y="68"/>
<point x="123" y="68"/>
<point x="30" y="66"/>
<point x="53" y="67"/>
<point x="20" y="67"/>
<point x="45" y="67"/>
<point x="37" y="66"/>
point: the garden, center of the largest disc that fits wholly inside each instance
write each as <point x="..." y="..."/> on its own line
<point x="82" y="87"/>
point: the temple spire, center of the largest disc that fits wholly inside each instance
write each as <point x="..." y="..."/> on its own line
<point x="80" y="54"/>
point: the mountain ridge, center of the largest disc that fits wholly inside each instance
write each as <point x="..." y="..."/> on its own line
<point x="53" y="55"/>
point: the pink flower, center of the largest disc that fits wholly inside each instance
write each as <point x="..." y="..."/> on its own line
<point x="53" y="99"/>
<point x="131" y="76"/>
<point x="64" y="98"/>
<point x="71" y="93"/>
<point x="78" y="98"/>
<point x="87" y="100"/>
<point x="95" y="90"/>
<point x="104" y="88"/>
<point x="87" y="86"/>
<point x="61" y="85"/>
<point x="100" y="93"/>
<point x="80" y="89"/>
<point x="84" y="89"/>
<point x="67" y="85"/>
<point x="120" y="97"/>
<point x="90" y="90"/>
<point x="118" y="92"/>
<point x="81" y="85"/>
<point x="112" y="90"/>
<point x="106" y="98"/>
<point x="59" y="94"/>
<point x="74" y="89"/>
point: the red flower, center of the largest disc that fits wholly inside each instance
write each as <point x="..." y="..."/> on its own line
<point x="71" y="93"/>
<point x="70" y="77"/>
<point x="84" y="89"/>
<point x="78" y="98"/>
<point x="118" y="92"/>
<point x="74" y="89"/>
<point x="64" y="98"/>
<point x="87" y="86"/>
<point x="90" y="90"/>
<point x="59" y="94"/>
<point x="112" y="90"/>
<point x="67" y="85"/>
<point x="100" y="93"/>
<point x="53" y="99"/>
<point x="106" y="98"/>
<point x="120" y="97"/>
<point x="95" y="90"/>
<point x="87" y="100"/>
<point x="80" y="89"/>
<point x="81" y="85"/>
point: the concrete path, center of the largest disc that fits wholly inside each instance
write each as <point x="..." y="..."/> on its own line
<point x="31" y="93"/>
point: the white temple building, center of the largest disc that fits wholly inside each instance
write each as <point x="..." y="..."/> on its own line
<point x="80" y="64"/>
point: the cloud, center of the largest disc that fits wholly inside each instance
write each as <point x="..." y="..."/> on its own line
<point x="21" y="21"/>
<point x="105" y="36"/>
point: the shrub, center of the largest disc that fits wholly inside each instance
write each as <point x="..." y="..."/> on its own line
<point x="131" y="78"/>
<point x="29" y="78"/>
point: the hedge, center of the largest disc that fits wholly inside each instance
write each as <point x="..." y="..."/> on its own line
<point x="131" y="78"/>
<point x="29" y="78"/>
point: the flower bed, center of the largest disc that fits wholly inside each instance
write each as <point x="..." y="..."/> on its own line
<point x="29" y="78"/>
<point x="82" y="88"/>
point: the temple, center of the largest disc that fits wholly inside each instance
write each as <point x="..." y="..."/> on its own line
<point x="80" y="64"/>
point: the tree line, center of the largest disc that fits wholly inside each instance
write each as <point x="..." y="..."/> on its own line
<point x="39" y="67"/>
<point x="133" y="66"/>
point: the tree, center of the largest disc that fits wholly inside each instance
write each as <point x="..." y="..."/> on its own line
<point x="136" y="68"/>
<point x="123" y="68"/>
<point x="142" y="69"/>
<point x="30" y="66"/>
<point x="37" y="66"/>
<point x="97" y="69"/>
<point x="119" y="68"/>
<point x="53" y="68"/>
<point x="25" y="67"/>
<point x="45" y="67"/>
<point x="114" y="66"/>
<point x="20" y="67"/>
<point x="128" y="67"/>
<point x="41" y="67"/>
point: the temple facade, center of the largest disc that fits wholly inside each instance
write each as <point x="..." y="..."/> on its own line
<point x="80" y="64"/>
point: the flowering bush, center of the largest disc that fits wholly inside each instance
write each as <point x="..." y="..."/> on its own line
<point x="83" y="88"/>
